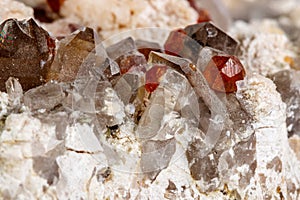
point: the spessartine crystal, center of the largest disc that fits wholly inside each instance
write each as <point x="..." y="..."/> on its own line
<point x="222" y="73"/>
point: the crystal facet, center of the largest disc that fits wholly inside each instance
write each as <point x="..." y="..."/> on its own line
<point x="26" y="52"/>
<point x="153" y="75"/>
<point x="222" y="72"/>
<point x="72" y="52"/>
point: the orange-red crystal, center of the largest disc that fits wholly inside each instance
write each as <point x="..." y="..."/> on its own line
<point x="222" y="73"/>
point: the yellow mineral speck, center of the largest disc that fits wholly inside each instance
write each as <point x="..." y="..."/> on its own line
<point x="289" y="60"/>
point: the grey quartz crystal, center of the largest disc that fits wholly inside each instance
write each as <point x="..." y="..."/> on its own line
<point x="209" y="35"/>
<point x="288" y="85"/>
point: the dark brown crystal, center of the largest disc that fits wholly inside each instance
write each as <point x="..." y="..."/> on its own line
<point x="207" y="34"/>
<point x="26" y="52"/>
<point x="72" y="52"/>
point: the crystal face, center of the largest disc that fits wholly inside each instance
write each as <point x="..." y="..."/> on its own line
<point x="222" y="72"/>
<point x="153" y="75"/>
<point x="26" y="52"/>
<point x="70" y="55"/>
<point x="188" y="42"/>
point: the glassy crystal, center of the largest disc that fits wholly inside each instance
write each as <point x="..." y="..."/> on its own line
<point x="219" y="119"/>
<point x="44" y="97"/>
<point x="14" y="91"/>
<point x="288" y="85"/>
<point x="26" y="52"/>
<point x="145" y="47"/>
<point x="128" y="86"/>
<point x="156" y="156"/>
<point x="180" y="44"/>
<point x="222" y="72"/>
<point x="207" y="34"/>
<point x="153" y="76"/>
<point x="131" y="61"/>
<point x="71" y="54"/>
<point x="121" y="48"/>
<point x="109" y="108"/>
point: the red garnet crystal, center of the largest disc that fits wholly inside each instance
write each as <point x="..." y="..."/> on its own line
<point x="175" y="42"/>
<point x="153" y="76"/>
<point x="222" y="72"/>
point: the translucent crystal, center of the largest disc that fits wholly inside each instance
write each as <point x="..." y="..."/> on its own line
<point x="156" y="156"/>
<point x="14" y="91"/>
<point x="121" y="48"/>
<point x="222" y="73"/>
<point x="165" y="100"/>
<point x="288" y="85"/>
<point x="44" y="97"/>
<point x="71" y="54"/>
<point x="26" y="52"/>
<point x="207" y="34"/>
<point x="109" y="108"/>
<point x="145" y="47"/>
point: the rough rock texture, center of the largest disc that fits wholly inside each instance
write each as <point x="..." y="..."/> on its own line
<point x="14" y="9"/>
<point x="264" y="48"/>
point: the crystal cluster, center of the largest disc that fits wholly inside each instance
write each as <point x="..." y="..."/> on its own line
<point x="133" y="120"/>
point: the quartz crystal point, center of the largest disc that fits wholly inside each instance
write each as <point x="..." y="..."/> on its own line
<point x="166" y="99"/>
<point x="207" y="34"/>
<point x="71" y="54"/>
<point x="188" y="42"/>
<point x="26" y="52"/>
<point x="156" y="156"/>
<point x="14" y="91"/>
<point x="145" y="47"/>
<point x="46" y="96"/>
<point x="288" y="85"/>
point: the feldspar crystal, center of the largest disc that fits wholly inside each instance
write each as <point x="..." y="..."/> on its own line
<point x="288" y="85"/>
<point x="70" y="56"/>
<point x="222" y="72"/>
<point x="26" y="52"/>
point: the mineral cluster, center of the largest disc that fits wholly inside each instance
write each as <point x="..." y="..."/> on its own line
<point x="139" y="119"/>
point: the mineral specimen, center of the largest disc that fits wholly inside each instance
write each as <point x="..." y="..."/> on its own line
<point x="26" y="53"/>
